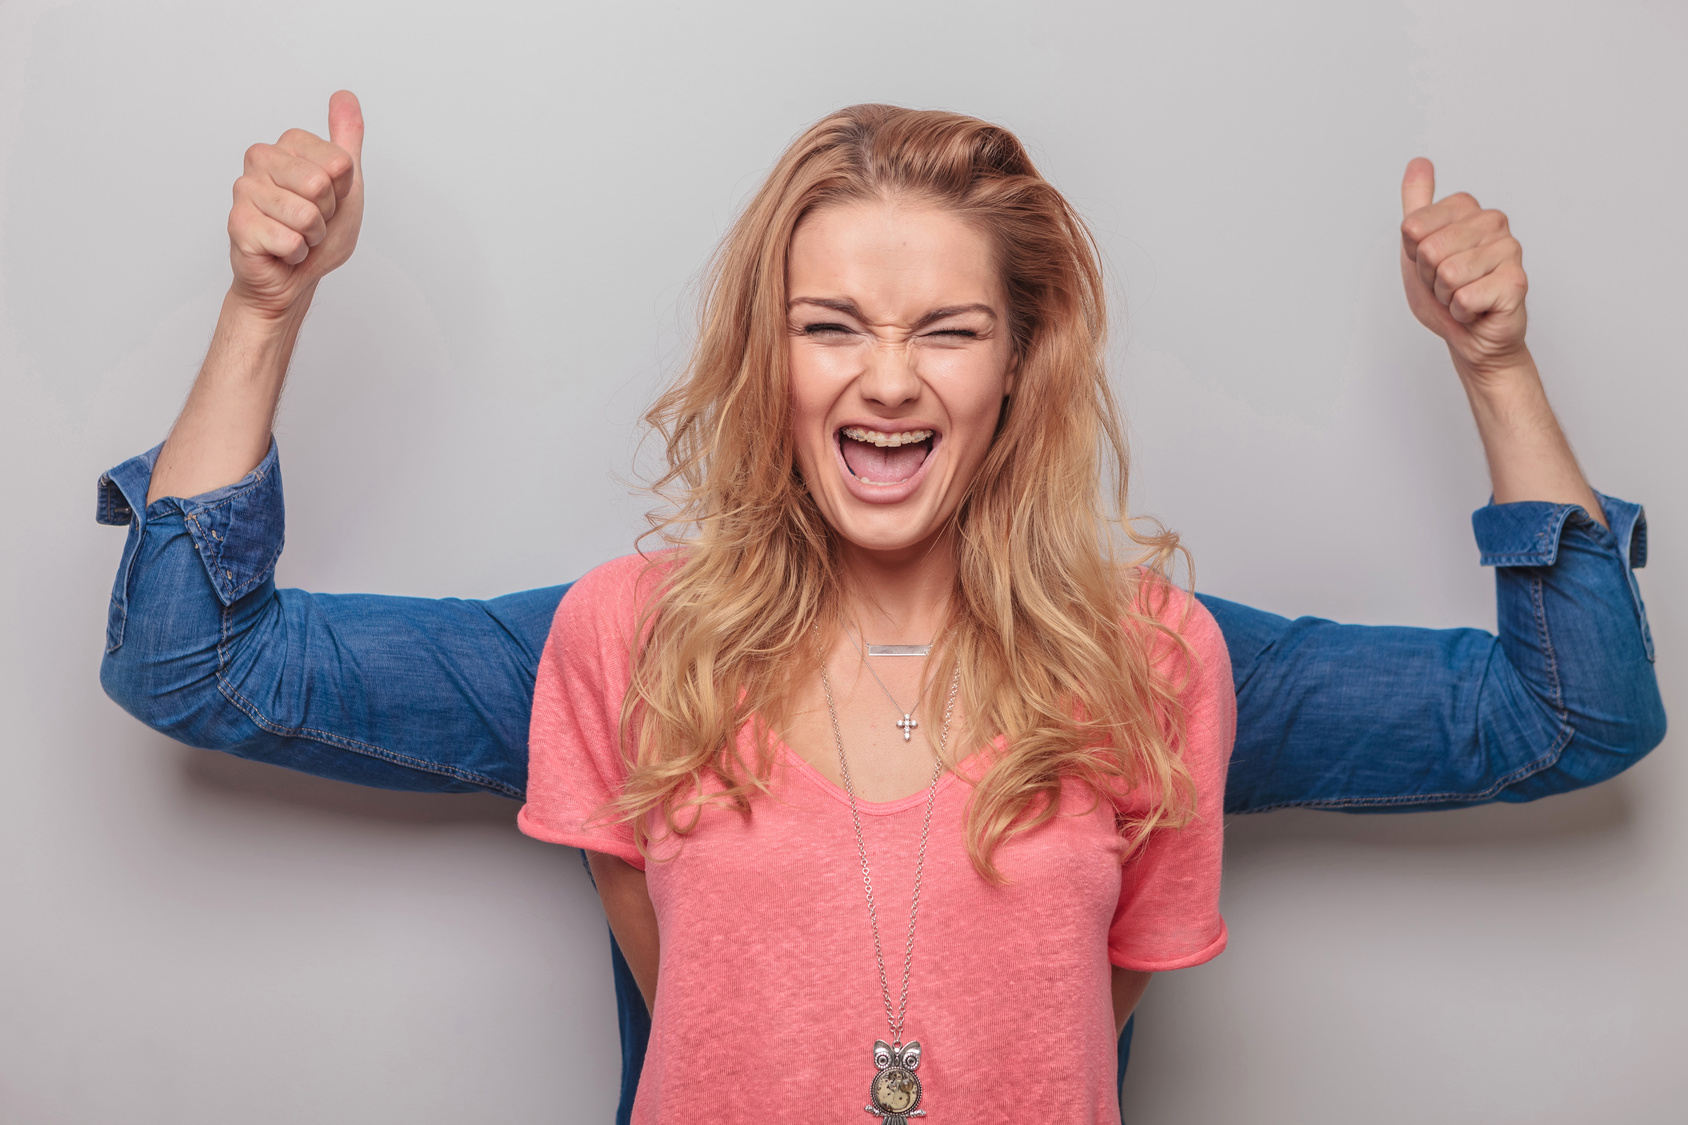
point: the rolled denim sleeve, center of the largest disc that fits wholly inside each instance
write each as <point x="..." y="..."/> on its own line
<point x="399" y="693"/>
<point x="1377" y="718"/>
<point x="236" y="531"/>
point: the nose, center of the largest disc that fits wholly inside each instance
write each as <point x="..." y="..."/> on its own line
<point x="890" y="378"/>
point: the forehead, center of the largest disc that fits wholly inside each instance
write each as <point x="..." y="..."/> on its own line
<point x="895" y="259"/>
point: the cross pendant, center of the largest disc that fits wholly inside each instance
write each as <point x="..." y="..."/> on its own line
<point x="907" y="723"/>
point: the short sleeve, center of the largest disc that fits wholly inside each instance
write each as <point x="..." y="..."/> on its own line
<point x="1168" y="914"/>
<point x="576" y="766"/>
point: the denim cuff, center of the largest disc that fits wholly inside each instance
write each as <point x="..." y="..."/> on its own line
<point x="237" y="530"/>
<point x="1528" y="533"/>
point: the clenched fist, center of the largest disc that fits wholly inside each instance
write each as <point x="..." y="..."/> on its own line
<point x="297" y="209"/>
<point x="1464" y="274"/>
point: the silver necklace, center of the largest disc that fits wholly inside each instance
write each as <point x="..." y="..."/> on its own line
<point x="908" y="722"/>
<point x="894" y="1094"/>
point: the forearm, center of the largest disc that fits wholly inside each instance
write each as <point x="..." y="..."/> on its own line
<point x="224" y="428"/>
<point x="1128" y="988"/>
<point x="627" y="903"/>
<point x="1528" y="456"/>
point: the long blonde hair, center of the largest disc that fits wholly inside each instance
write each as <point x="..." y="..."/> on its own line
<point x="1056" y="637"/>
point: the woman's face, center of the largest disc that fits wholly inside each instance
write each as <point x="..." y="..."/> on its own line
<point x="900" y="357"/>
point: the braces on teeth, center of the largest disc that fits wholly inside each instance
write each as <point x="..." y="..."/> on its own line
<point x="873" y="437"/>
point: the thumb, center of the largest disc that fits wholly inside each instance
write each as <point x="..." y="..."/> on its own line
<point x="345" y="123"/>
<point x="1418" y="186"/>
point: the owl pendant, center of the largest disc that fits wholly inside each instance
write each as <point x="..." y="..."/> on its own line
<point x="895" y="1092"/>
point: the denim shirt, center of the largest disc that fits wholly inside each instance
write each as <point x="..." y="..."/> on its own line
<point x="434" y="694"/>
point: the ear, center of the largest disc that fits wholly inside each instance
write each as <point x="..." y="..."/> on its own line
<point x="911" y="1055"/>
<point x="881" y="1054"/>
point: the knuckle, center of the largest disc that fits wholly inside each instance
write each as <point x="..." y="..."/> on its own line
<point x="317" y="184"/>
<point x="255" y="154"/>
<point x="293" y="136"/>
<point x="301" y="214"/>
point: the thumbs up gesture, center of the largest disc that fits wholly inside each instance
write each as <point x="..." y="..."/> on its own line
<point x="297" y="209"/>
<point x="1464" y="275"/>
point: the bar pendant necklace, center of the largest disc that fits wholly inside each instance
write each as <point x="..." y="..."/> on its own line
<point x="908" y="722"/>
<point x="894" y="1093"/>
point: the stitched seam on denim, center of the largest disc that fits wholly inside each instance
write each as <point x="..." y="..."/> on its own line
<point x="233" y="593"/>
<point x="260" y="478"/>
<point x="1528" y="769"/>
<point x="367" y="749"/>
<point x="1545" y="637"/>
<point x="128" y="565"/>
<point x="258" y="575"/>
<point x="251" y="711"/>
<point x="1566" y="733"/>
<point x="1547" y="540"/>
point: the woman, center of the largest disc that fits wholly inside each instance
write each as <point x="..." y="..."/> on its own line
<point x="889" y="436"/>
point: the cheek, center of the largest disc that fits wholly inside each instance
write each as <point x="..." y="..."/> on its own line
<point x="971" y="385"/>
<point x="811" y="397"/>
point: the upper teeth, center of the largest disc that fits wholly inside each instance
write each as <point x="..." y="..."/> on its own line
<point x="856" y="433"/>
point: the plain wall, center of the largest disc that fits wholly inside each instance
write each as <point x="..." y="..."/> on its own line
<point x="191" y="938"/>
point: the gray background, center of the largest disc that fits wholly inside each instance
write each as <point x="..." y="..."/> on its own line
<point x="189" y="938"/>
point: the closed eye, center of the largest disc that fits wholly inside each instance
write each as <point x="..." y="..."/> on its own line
<point x="824" y="329"/>
<point x="963" y="333"/>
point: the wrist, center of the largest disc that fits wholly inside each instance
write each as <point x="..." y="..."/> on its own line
<point x="256" y="319"/>
<point x="1499" y="377"/>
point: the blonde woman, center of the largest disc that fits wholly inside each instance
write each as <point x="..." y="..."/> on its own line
<point x="938" y="877"/>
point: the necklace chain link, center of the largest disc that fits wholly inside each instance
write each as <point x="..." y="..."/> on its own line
<point x="893" y="1017"/>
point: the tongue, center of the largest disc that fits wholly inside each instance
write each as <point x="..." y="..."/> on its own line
<point x="891" y="464"/>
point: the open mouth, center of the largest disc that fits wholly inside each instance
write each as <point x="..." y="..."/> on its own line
<point x="883" y="456"/>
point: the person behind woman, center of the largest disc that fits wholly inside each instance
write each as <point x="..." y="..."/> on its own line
<point x="896" y="430"/>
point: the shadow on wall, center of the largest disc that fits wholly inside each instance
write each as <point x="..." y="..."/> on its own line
<point x="1604" y="812"/>
<point x="235" y="782"/>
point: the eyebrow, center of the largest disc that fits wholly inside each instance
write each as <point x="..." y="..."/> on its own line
<point x="849" y="308"/>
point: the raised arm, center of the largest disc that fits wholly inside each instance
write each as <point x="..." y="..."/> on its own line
<point x="298" y="205"/>
<point x="404" y="693"/>
<point x="1378" y="719"/>
<point x="1464" y="277"/>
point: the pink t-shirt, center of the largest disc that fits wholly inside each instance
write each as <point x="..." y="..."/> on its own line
<point x="768" y="1001"/>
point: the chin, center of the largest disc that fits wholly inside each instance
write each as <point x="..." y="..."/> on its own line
<point x="885" y="531"/>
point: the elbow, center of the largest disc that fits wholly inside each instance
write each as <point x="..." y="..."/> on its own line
<point x="163" y="667"/>
<point x="1638" y="721"/>
<point x="171" y="692"/>
<point x="1609" y="742"/>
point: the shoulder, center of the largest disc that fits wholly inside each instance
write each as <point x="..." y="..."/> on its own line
<point x="1177" y="615"/>
<point x="597" y="622"/>
<point x="1188" y="649"/>
<point x="609" y="598"/>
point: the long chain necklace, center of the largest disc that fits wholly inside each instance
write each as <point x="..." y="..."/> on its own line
<point x="908" y="722"/>
<point x="894" y="1093"/>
